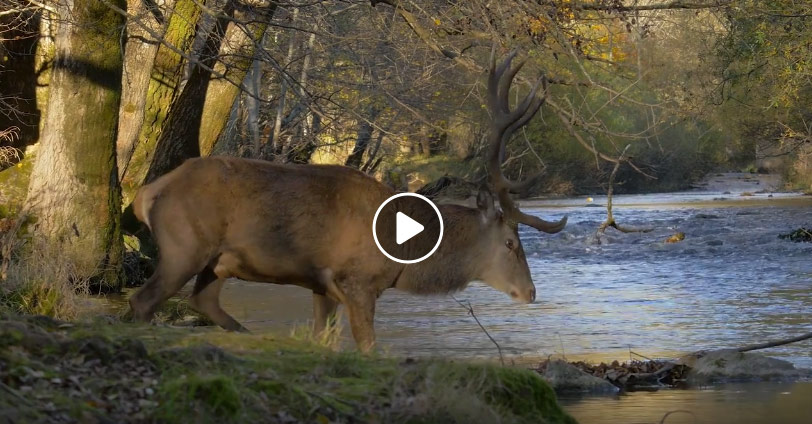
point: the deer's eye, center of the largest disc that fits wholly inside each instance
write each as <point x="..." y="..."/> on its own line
<point x="509" y="244"/>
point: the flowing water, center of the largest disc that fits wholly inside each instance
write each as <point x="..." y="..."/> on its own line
<point x="731" y="282"/>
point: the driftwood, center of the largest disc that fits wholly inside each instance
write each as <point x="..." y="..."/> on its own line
<point x="610" y="219"/>
<point x="775" y="343"/>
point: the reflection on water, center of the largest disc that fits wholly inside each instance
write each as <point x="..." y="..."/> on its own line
<point x="731" y="282"/>
<point x="756" y="403"/>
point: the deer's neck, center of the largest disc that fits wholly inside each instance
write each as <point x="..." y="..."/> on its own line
<point x="455" y="263"/>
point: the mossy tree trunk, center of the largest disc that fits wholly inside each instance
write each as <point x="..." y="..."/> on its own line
<point x="179" y="139"/>
<point x="44" y="60"/>
<point x="235" y="59"/>
<point x="144" y="31"/>
<point x="73" y="193"/>
<point x="163" y="90"/>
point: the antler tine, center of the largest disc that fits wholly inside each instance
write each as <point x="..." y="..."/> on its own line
<point x="504" y="86"/>
<point x="504" y="123"/>
<point x="495" y="76"/>
<point x="527" y="107"/>
<point x="513" y="213"/>
<point x="530" y="105"/>
<point x="519" y="117"/>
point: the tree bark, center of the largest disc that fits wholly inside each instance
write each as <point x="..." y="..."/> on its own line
<point x="44" y="61"/>
<point x="235" y="57"/>
<point x="274" y="142"/>
<point x="362" y="140"/>
<point x="304" y="152"/>
<point x="305" y="144"/>
<point x="252" y="106"/>
<point x="73" y="193"/>
<point x="179" y="140"/>
<point x="164" y="88"/>
<point x="139" y="56"/>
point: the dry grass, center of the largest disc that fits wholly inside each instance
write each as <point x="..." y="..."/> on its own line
<point x="330" y="338"/>
<point x="9" y="155"/>
<point x="43" y="284"/>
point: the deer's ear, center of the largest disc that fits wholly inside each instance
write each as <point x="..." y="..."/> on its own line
<point x="484" y="202"/>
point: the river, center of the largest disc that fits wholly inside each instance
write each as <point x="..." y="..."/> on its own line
<point x="729" y="283"/>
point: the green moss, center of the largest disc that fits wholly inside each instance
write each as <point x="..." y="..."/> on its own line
<point x="207" y="375"/>
<point x="162" y="91"/>
<point x="298" y="400"/>
<point x="14" y="185"/>
<point x="524" y="394"/>
<point x="104" y="22"/>
<point x="209" y="398"/>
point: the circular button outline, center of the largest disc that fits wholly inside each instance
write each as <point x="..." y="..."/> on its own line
<point x="375" y="222"/>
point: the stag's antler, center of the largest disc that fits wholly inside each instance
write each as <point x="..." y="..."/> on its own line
<point x="503" y="123"/>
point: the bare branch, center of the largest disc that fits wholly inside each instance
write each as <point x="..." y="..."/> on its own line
<point x="470" y="309"/>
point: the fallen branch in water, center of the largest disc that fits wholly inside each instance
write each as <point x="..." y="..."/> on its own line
<point x="775" y="343"/>
<point x="678" y="411"/>
<point x="610" y="219"/>
<point x="470" y="309"/>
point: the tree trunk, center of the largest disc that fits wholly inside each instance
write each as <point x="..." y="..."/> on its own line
<point x="235" y="58"/>
<point x="139" y="56"/>
<point x="274" y="142"/>
<point x="302" y="153"/>
<point x="164" y="87"/>
<point x="305" y="144"/>
<point x="252" y="105"/>
<point x="73" y="194"/>
<point x="373" y="154"/>
<point x="362" y="140"/>
<point x="179" y="140"/>
<point x="44" y="61"/>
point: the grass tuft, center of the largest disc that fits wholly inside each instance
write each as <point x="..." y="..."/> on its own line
<point x="43" y="285"/>
<point x="207" y="398"/>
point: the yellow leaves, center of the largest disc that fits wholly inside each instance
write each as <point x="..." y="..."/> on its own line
<point x="537" y="25"/>
<point x="606" y="41"/>
<point x="618" y="55"/>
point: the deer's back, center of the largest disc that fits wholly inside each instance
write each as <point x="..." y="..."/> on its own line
<point x="265" y="215"/>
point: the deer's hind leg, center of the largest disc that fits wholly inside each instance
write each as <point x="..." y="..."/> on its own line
<point x="163" y="284"/>
<point x="177" y="264"/>
<point x="206" y="300"/>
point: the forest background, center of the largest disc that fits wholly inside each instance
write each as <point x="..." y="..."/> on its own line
<point x="98" y="97"/>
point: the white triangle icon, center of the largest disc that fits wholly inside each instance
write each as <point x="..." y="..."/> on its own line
<point x="406" y="228"/>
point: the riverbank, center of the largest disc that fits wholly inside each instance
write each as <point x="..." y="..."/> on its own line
<point x="108" y="371"/>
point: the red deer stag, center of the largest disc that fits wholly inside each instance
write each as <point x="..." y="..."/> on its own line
<point x="309" y="225"/>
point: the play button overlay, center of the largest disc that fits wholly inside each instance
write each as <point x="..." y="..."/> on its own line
<point x="407" y="228"/>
